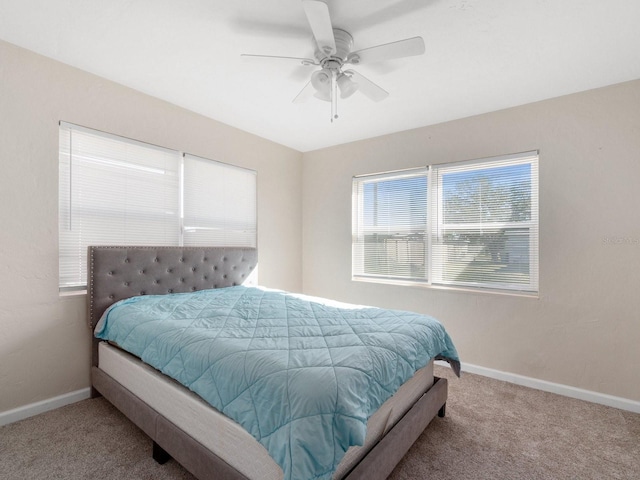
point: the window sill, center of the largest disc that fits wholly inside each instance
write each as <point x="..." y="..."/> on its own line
<point x="71" y="293"/>
<point x="450" y="288"/>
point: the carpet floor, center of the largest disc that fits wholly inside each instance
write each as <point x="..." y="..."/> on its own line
<point x="492" y="430"/>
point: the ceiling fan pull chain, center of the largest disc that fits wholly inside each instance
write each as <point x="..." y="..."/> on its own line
<point x="334" y="95"/>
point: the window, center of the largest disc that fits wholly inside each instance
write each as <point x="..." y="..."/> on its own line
<point x="117" y="191"/>
<point x="390" y="225"/>
<point x="468" y="224"/>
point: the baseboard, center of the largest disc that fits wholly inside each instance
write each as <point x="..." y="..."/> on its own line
<point x="558" y="388"/>
<point x="36" y="408"/>
<point x="32" y="409"/>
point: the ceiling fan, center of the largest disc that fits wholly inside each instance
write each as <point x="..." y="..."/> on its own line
<point x="333" y="52"/>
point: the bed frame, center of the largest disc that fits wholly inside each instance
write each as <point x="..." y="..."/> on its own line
<point x="121" y="272"/>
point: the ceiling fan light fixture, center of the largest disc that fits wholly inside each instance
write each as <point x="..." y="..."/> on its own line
<point x="321" y="80"/>
<point x="347" y="86"/>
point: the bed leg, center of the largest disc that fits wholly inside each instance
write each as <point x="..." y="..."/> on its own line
<point x="94" y="393"/>
<point x="160" y="455"/>
<point x="443" y="410"/>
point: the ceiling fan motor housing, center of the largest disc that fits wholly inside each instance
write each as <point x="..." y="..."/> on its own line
<point x="344" y="44"/>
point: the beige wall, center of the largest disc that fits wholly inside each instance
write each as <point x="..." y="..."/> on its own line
<point x="584" y="330"/>
<point x="44" y="343"/>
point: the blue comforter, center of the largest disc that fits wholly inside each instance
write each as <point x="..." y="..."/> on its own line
<point x="301" y="374"/>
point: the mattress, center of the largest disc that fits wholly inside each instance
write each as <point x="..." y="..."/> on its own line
<point x="225" y="437"/>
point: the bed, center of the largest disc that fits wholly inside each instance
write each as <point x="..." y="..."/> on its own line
<point x="179" y="422"/>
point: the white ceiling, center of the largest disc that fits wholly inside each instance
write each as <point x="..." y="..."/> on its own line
<point x="481" y="56"/>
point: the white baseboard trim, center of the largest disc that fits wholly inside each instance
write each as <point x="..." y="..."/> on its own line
<point x="558" y="388"/>
<point x="36" y="408"/>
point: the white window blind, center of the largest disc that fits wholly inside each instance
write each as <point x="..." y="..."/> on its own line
<point x="219" y="204"/>
<point x="485" y="219"/>
<point x="117" y="191"/>
<point x="471" y="224"/>
<point x="390" y="225"/>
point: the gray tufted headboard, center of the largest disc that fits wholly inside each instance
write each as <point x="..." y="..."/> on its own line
<point x="124" y="271"/>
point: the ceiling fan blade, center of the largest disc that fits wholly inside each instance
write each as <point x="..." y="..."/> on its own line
<point x="307" y="92"/>
<point x="388" y="51"/>
<point x="367" y="87"/>
<point x="320" y="22"/>
<point x="303" y="61"/>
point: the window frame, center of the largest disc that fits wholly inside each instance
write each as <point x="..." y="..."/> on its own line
<point x="358" y="222"/>
<point x="75" y="282"/>
<point x="436" y="226"/>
